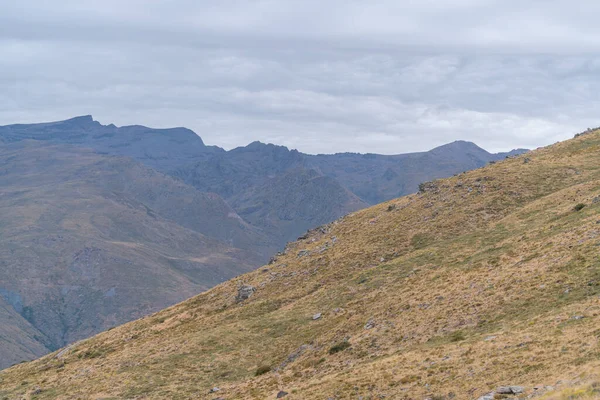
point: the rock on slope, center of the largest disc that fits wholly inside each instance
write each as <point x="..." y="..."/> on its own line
<point x="487" y="279"/>
<point x="90" y="241"/>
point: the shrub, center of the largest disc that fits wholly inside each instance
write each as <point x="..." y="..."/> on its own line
<point x="410" y="379"/>
<point x="457" y="336"/>
<point x="263" y="369"/>
<point x="341" y="346"/>
<point x="421" y="240"/>
<point x="579" y="207"/>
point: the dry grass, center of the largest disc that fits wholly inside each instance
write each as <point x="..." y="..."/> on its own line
<point x="479" y="283"/>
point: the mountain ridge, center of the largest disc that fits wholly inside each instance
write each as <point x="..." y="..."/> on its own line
<point x="242" y="171"/>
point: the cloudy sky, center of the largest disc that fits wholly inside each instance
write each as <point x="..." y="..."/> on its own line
<point x="386" y="76"/>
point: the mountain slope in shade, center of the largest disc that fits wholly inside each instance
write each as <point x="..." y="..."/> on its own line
<point x="90" y="241"/>
<point x="20" y="340"/>
<point x="487" y="279"/>
<point x="295" y="201"/>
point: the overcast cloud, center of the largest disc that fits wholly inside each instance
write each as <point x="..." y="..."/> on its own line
<point x="390" y="76"/>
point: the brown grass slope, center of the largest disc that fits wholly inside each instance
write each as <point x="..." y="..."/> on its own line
<point x="488" y="278"/>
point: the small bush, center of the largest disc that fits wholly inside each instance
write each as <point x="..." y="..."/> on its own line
<point x="579" y="207"/>
<point x="410" y="379"/>
<point x="339" y="347"/>
<point x="457" y="336"/>
<point x="263" y="369"/>
<point x="421" y="240"/>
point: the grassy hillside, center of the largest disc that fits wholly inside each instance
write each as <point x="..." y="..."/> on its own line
<point x="486" y="279"/>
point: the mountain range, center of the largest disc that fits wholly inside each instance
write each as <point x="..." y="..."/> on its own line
<point x="103" y="224"/>
<point x="481" y="286"/>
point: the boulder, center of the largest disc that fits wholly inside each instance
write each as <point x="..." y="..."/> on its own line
<point x="244" y="293"/>
<point x="510" y="390"/>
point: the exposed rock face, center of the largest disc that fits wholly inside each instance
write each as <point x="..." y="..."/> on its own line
<point x="510" y="390"/>
<point x="244" y="293"/>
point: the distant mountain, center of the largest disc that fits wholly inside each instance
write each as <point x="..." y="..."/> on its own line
<point x="244" y="176"/>
<point x="163" y="149"/>
<point x="89" y="241"/>
<point x="102" y="224"/>
<point x="256" y="179"/>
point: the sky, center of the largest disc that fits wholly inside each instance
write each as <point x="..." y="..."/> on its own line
<point x="386" y="76"/>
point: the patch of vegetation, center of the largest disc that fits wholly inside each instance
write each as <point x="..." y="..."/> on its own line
<point x="579" y="207"/>
<point x="457" y="336"/>
<point x="341" y="346"/>
<point x="410" y="379"/>
<point x="263" y="369"/>
<point x="421" y="240"/>
<point x="95" y="353"/>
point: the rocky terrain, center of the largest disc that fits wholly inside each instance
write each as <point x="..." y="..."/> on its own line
<point x="484" y="285"/>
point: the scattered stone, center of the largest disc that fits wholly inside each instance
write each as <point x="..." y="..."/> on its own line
<point x="577" y="317"/>
<point x="303" y="237"/>
<point x="36" y="391"/>
<point x="428" y="187"/>
<point x="489" y="338"/>
<point x="282" y="394"/>
<point x="303" y="253"/>
<point x="244" y="293"/>
<point x="526" y="160"/>
<point x="488" y="396"/>
<point x="214" y="390"/>
<point x="370" y="324"/>
<point x="316" y="316"/>
<point x="510" y="390"/>
<point x="292" y="357"/>
<point x="382" y="259"/>
<point x="596" y="200"/>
